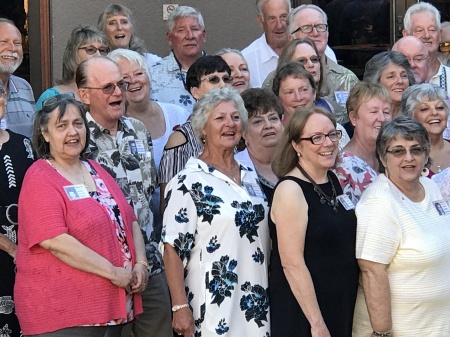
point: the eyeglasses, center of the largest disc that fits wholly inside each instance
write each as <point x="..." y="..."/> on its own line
<point x="306" y="29"/>
<point x="401" y="151"/>
<point x="419" y="58"/>
<point x="214" y="79"/>
<point x="109" y="88"/>
<point x="51" y="101"/>
<point x="313" y="59"/>
<point x="319" y="139"/>
<point x="444" y="47"/>
<point x="91" y="50"/>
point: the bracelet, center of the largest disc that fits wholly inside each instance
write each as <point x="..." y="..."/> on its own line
<point x="175" y="308"/>
<point x="144" y="263"/>
<point x="382" y="334"/>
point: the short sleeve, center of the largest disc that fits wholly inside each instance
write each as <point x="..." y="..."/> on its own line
<point x="377" y="234"/>
<point x="180" y="218"/>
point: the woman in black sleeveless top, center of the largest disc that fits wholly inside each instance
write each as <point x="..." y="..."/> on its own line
<point x="313" y="270"/>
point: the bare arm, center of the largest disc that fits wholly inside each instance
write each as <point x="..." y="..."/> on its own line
<point x="72" y="252"/>
<point x="8" y="246"/>
<point x="183" y="320"/>
<point x="139" y="269"/>
<point x="291" y="218"/>
<point x="375" y="283"/>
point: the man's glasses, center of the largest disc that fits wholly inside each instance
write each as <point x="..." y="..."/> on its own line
<point x="313" y="59"/>
<point x="306" y="29"/>
<point x="418" y="59"/>
<point x="91" y="50"/>
<point x="109" y="88"/>
<point x="52" y="101"/>
<point x="320" y="137"/>
<point x="214" y="79"/>
<point x="400" y="152"/>
<point x="444" y="47"/>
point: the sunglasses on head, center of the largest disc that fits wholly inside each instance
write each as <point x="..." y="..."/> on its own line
<point x="54" y="100"/>
<point x="214" y="79"/>
<point x="444" y="47"/>
<point x="91" y="50"/>
<point x="110" y="87"/>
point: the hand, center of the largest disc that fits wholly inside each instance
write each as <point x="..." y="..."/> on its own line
<point x="140" y="281"/>
<point x="122" y="278"/>
<point x="320" y="330"/>
<point x="183" y="322"/>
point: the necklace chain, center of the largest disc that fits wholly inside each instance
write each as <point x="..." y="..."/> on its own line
<point x="330" y="201"/>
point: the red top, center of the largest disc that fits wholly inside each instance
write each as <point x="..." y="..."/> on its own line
<point x="49" y="294"/>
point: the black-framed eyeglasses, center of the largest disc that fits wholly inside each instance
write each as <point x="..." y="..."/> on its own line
<point x="319" y="138"/>
<point x="444" y="47"/>
<point x="91" y="50"/>
<point x="306" y="29"/>
<point x="313" y="59"/>
<point x="51" y="101"/>
<point x="109" y="88"/>
<point x="214" y="79"/>
<point x="400" y="152"/>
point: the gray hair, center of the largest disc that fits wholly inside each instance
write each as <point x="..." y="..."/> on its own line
<point x="211" y="100"/>
<point x="131" y="56"/>
<point x="260" y="3"/>
<point x="445" y="24"/>
<point x="183" y="12"/>
<point x="405" y="127"/>
<point x="419" y="93"/>
<point x="294" y="12"/>
<point x="419" y="8"/>
<point x="230" y="50"/>
<point x="376" y="65"/>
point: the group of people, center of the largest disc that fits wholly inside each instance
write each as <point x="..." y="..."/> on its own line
<point x="262" y="192"/>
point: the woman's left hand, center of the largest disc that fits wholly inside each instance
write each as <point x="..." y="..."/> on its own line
<point x="141" y="277"/>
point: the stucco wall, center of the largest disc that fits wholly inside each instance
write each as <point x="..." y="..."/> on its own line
<point x="229" y="23"/>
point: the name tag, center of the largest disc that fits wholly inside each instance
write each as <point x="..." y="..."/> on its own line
<point x="3" y="124"/>
<point x="442" y="207"/>
<point x="346" y="202"/>
<point x="136" y="146"/>
<point x="253" y="190"/>
<point x="341" y="97"/>
<point x="75" y="192"/>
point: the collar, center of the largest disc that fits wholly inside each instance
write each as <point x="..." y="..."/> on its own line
<point x="172" y="63"/>
<point x="197" y="165"/>
<point x="333" y="66"/>
<point x="97" y="130"/>
<point x="12" y="87"/>
<point x="266" y="51"/>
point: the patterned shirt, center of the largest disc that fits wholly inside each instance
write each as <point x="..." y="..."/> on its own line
<point x="167" y="83"/>
<point x="128" y="157"/>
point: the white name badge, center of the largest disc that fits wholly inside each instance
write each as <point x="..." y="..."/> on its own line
<point x="3" y="124"/>
<point x="341" y="97"/>
<point x="137" y="146"/>
<point x="253" y="190"/>
<point x="442" y="207"/>
<point x="75" y="192"/>
<point x="346" y="202"/>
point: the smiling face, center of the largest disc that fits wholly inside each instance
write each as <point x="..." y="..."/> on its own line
<point x="304" y="52"/>
<point x="206" y="85"/>
<point x="296" y="92"/>
<point x="118" y="30"/>
<point x="424" y="27"/>
<point x="317" y="157"/>
<point x="371" y="115"/>
<point x="187" y="37"/>
<point x="395" y="79"/>
<point x="82" y="55"/>
<point x="432" y="115"/>
<point x="11" y="52"/>
<point x="139" y="87"/>
<point x="312" y="17"/>
<point x="223" y="128"/>
<point x="239" y="71"/>
<point x="275" y="13"/>
<point x="263" y="130"/>
<point x="66" y="136"/>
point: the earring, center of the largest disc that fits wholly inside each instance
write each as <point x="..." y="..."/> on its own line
<point x="425" y="172"/>
<point x="298" y="154"/>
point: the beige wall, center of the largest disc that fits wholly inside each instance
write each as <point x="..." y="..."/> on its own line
<point x="229" y="23"/>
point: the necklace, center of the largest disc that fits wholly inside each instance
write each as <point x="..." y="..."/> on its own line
<point x="330" y="201"/>
<point x="72" y="176"/>
<point x="228" y="173"/>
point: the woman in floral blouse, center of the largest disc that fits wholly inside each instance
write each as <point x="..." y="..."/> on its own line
<point x="215" y="234"/>
<point x="368" y="107"/>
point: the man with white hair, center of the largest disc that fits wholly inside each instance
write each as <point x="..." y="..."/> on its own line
<point x="417" y="54"/>
<point x="310" y="21"/>
<point x="20" y="99"/>
<point x="185" y="36"/>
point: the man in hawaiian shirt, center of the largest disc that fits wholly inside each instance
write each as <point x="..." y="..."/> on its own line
<point x="123" y="147"/>
<point x="186" y="36"/>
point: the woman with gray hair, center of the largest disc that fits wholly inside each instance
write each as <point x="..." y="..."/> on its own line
<point x="428" y="104"/>
<point x="391" y="69"/>
<point x="84" y="42"/>
<point x="402" y="241"/>
<point x="238" y="66"/>
<point x="215" y="235"/>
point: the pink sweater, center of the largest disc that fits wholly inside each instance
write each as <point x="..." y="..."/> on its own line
<point x="49" y="294"/>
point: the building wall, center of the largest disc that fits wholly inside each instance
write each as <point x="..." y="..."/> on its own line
<point x="229" y="23"/>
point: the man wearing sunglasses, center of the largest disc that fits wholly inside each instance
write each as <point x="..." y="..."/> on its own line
<point x="20" y="106"/>
<point x="444" y="46"/>
<point x="123" y="146"/>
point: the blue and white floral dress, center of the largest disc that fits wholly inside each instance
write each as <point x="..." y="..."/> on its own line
<point x="219" y="229"/>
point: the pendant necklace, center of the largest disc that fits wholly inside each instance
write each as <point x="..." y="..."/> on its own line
<point x="330" y="201"/>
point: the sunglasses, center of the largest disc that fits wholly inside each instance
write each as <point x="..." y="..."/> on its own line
<point x="54" y="100"/>
<point x="91" y="50"/>
<point x="313" y="59"/>
<point x="401" y="151"/>
<point x="444" y="47"/>
<point x="214" y="79"/>
<point x="111" y="87"/>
